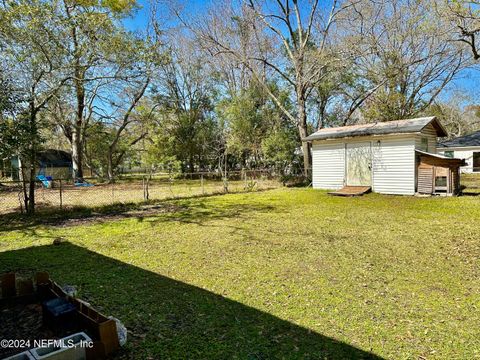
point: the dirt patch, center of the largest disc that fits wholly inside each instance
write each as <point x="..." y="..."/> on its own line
<point x="76" y="217"/>
<point x="141" y="212"/>
<point x="22" y="322"/>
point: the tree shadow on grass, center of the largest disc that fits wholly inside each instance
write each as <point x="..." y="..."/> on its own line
<point x="199" y="212"/>
<point x="171" y="319"/>
<point x="470" y="193"/>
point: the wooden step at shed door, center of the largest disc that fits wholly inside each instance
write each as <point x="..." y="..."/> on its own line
<point x="352" y="191"/>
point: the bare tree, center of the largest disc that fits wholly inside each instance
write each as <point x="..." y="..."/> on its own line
<point x="464" y="15"/>
<point x="458" y="114"/>
<point x="408" y="52"/>
<point x="281" y="40"/>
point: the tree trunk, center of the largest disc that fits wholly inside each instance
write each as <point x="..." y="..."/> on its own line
<point x="77" y="135"/>
<point x="24" y="187"/>
<point x="79" y="87"/>
<point x="31" y="188"/>
<point x="77" y="151"/>
<point x="110" y="167"/>
<point x="302" y="129"/>
<point x="191" y="164"/>
<point x="32" y="158"/>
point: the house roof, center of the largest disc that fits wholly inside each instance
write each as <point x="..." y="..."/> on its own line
<point x="463" y="141"/>
<point x="379" y="128"/>
<point x="55" y="158"/>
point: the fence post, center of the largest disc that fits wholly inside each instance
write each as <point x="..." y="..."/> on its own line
<point x="146" y="191"/>
<point x="113" y="193"/>
<point x="245" y="178"/>
<point x="225" y="182"/>
<point x="61" y="194"/>
<point x="203" y="188"/>
<point x="148" y="186"/>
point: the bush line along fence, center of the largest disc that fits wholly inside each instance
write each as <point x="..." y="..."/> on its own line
<point x="133" y="188"/>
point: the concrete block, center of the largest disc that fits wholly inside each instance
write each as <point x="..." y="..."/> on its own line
<point x="71" y="349"/>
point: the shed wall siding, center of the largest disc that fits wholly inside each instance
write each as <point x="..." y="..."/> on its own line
<point x="394" y="166"/>
<point x="393" y="163"/>
<point x="328" y="165"/>
<point x="431" y="134"/>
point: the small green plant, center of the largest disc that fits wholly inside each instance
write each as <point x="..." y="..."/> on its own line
<point x="251" y="185"/>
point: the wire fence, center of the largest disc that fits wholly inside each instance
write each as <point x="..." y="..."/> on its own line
<point x="64" y="194"/>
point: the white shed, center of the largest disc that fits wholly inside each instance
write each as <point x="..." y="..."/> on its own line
<point x="384" y="156"/>
<point x="466" y="147"/>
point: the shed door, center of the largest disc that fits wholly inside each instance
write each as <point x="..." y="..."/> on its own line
<point x="359" y="164"/>
<point x="425" y="179"/>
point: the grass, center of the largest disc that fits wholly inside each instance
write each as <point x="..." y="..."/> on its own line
<point x="286" y="273"/>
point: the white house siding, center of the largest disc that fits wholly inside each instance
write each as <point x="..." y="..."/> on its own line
<point x="394" y="166"/>
<point x="393" y="163"/>
<point x="328" y="165"/>
<point x="430" y="133"/>
<point x="463" y="153"/>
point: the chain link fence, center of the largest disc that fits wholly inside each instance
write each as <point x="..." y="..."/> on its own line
<point x="64" y="194"/>
<point x="470" y="182"/>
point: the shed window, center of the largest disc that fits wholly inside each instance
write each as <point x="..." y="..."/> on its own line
<point x="476" y="161"/>
<point x="424" y="144"/>
<point x="449" y="154"/>
<point x="440" y="181"/>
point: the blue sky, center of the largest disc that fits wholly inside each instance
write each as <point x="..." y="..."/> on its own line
<point x="141" y="17"/>
<point x="468" y="81"/>
<point x="139" y="20"/>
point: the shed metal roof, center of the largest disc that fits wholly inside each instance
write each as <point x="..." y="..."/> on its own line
<point x="443" y="157"/>
<point x="463" y="141"/>
<point x="379" y="128"/>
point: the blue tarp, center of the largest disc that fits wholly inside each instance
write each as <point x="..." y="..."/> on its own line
<point x="82" y="183"/>
<point x="46" y="181"/>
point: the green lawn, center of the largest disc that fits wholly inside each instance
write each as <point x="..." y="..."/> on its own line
<point x="286" y="273"/>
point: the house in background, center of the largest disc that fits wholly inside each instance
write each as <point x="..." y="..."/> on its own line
<point x="50" y="162"/>
<point x="466" y="147"/>
<point x="395" y="157"/>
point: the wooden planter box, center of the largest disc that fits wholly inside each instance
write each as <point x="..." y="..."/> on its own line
<point x="101" y="329"/>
